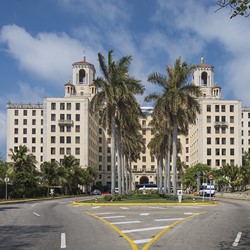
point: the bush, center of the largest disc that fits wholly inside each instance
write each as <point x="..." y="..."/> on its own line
<point x="108" y="197"/>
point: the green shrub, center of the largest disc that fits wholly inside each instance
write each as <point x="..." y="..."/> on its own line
<point x="108" y="197"/>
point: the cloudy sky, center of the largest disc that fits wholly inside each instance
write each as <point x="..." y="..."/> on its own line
<point x="39" y="41"/>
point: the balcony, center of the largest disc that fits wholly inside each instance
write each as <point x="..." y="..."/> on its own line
<point x="65" y="122"/>
<point x="221" y="124"/>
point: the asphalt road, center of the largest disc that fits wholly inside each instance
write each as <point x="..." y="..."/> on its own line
<point x="57" y="224"/>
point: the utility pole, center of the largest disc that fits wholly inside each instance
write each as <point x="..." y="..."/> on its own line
<point x="6" y="179"/>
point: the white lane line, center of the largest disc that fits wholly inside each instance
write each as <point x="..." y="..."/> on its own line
<point x="188" y="213"/>
<point x="36" y="214"/>
<point x="142" y="241"/>
<point x="237" y="239"/>
<point x="125" y="222"/>
<point x="144" y="214"/>
<point x="33" y="205"/>
<point x="143" y="229"/>
<point x="63" y="240"/>
<point x="169" y="219"/>
<point x="159" y="207"/>
<point x="103" y="213"/>
<point x="123" y="207"/>
<point x="96" y="207"/>
<point x="113" y="217"/>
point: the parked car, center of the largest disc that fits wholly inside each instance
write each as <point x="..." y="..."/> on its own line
<point x="96" y="192"/>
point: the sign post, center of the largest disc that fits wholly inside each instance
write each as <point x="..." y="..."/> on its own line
<point x="6" y="179"/>
<point x="210" y="177"/>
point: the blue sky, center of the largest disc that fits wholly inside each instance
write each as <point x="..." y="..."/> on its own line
<point x="39" y="41"/>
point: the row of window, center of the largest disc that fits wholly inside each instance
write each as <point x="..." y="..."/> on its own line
<point x="62" y="139"/>
<point x="220" y="140"/>
<point x="33" y="131"/>
<point x="220" y="119"/>
<point x="219" y="151"/>
<point x="25" y="112"/>
<point x="220" y="108"/>
<point x="62" y="117"/>
<point x="25" y="122"/>
<point x="25" y="140"/>
<point x="62" y="151"/>
<point x="65" y="106"/>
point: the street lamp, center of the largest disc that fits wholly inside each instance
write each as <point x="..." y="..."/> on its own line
<point x="6" y="179"/>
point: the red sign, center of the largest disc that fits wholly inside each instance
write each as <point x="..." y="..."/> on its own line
<point x="210" y="177"/>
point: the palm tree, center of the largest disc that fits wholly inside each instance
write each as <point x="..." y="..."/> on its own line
<point x="178" y="103"/>
<point x="114" y="85"/>
<point x="23" y="160"/>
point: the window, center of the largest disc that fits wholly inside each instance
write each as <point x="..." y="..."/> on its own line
<point x="143" y="158"/>
<point x="208" y="119"/>
<point x="144" y="131"/>
<point x="100" y="139"/>
<point x="77" y="139"/>
<point x="16" y="122"/>
<point x="77" y="128"/>
<point x="62" y="106"/>
<point x="231" y="151"/>
<point x="223" y="141"/>
<point x="16" y="131"/>
<point x="16" y="140"/>
<point x="33" y="121"/>
<point x="53" y="128"/>
<point x="231" y="130"/>
<point x="62" y="116"/>
<point x="109" y="150"/>
<point x="231" y="162"/>
<point x="33" y="149"/>
<point x="208" y="162"/>
<point x="61" y="151"/>
<point x="223" y="118"/>
<point x="33" y="140"/>
<point x="217" y="108"/>
<point x="53" y="117"/>
<point x="68" y="151"/>
<point x="208" y="140"/>
<point x="77" y="151"/>
<point x="223" y="108"/>
<point x="100" y="131"/>
<point x="108" y="158"/>
<point x="217" y="151"/>
<point x="100" y="149"/>
<point x="53" y="139"/>
<point x="61" y="139"/>
<point x="61" y="128"/>
<point x="77" y="117"/>
<point x="223" y="151"/>
<point x="33" y="112"/>
<point x="53" y="106"/>
<point x="223" y="162"/>
<point x="41" y="149"/>
<point x="53" y="151"/>
<point x="68" y="139"/>
<point x="24" y="139"/>
<point x="208" y="151"/>
<point x="217" y="118"/>
<point x="25" y="131"/>
<point x="25" y="112"/>
<point x="231" y="141"/>
<point x="187" y="141"/>
<point x="143" y="122"/>
<point x="223" y="130"/>
<point x="152" y="158"/>
<point x="208" y="130"/>
<point x="68" y="128"/>
<point x="41" y="121"/>
<point x="208" y="108"/>
<point x="33" y="131"/>
<point x="217" y="140"/>
<point x="77" y="106"/>
<point x="217" y="130"/>
<point x="24" y="121"/>
<point x="68" y="117"/>
<point x="16" y="112"/>
<point x="231" y="119"/>
<point x="109" y="168"/>
<point x="68" y="106"/>
<point x="217" y="163"/>
<point x="231" y="108"/>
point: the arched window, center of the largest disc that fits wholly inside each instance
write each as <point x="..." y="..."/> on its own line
<point x="204" y="78"/>
<point x="82" y="76"/>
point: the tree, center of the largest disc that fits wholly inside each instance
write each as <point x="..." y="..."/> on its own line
<point x="114" y="85"/>
<point x="237" y="7"/>
<point x="178" y="104"/>
<point x="23" y="160"/>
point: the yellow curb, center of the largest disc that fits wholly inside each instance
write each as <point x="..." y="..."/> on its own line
<point x="146" y="247"/>
<point x="146" y="204"/>
<point x="130" y="241"/>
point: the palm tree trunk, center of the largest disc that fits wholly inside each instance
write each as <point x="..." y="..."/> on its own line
<point x="168" y="164"/>
<point x="123" y="171"/>
<point x="160" y="173"/>
<point x="113" y="154"/>
<point x="174" y="157"/>
<point x="119" y="163"/>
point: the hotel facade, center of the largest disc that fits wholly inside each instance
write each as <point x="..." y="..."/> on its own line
<point x="64" y="126"/>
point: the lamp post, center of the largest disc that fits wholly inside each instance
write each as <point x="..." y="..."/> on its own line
<point x="6" y="179"/>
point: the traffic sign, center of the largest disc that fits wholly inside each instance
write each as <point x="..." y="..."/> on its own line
<point x="210" y="177"/>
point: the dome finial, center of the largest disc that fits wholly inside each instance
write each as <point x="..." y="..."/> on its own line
<point x="202" y="60"/>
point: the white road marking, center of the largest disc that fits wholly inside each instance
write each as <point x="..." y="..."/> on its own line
<point x="159" y="207"/>
<point x="143" y="229"/>
<point x="125" y="222"/>
<point x="123" y="207"/>
<point x="103" y="213"/>
<point x="113" y="217"/>
<point x="36" y="214"/>
<point x="33" y="205"/>
<point x="237" y="239"/>
<point x="144" y="214"/>
<point x="188" y="213"/>
<point x="63" y="240"/>
<point x="96" y="207"/>
<point x="169" y="219"/>
<point x="142" y="241"/>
